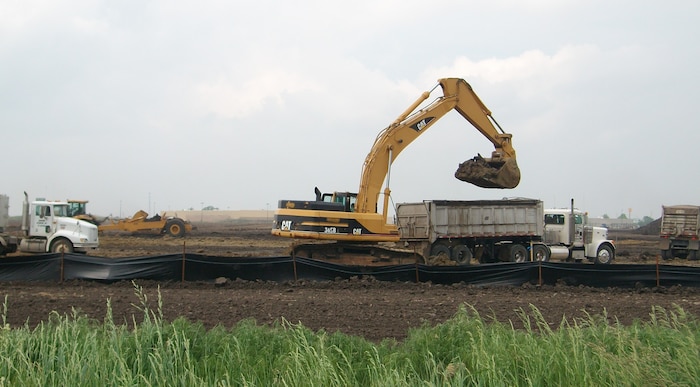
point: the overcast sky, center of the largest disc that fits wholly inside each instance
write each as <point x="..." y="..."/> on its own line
<point x="168" y="105"/>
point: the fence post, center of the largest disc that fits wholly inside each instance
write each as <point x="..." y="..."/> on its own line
<point x="658" y="280"/>
<point x="294" y="263"/>
<point x="415" y="264"/>
<point x="184" y="254"/>
<point x="62" y="265"/>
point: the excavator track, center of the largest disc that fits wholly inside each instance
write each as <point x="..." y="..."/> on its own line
<point x="355" y="254"/>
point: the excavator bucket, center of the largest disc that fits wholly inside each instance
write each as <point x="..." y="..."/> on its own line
<point x="489" y="173"/>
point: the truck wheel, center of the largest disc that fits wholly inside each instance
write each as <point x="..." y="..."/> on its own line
<point x="175" y="227"/>
<point x="441" y="253"/>
<point x="518" y="253"/>
<point x="666" y="255"/>
<point x="693" y="255"/>
<point x="604" y="256"/>
<point x="540" y="253"/>
<point x="462" y="255"/>
<point x="62" y="246"/>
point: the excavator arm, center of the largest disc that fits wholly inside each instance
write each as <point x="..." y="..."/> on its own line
<point x="498" y="171"/>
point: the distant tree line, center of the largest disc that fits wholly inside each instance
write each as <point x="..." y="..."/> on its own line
<point x="207" y="208"/>
<point x="642" y="222"/>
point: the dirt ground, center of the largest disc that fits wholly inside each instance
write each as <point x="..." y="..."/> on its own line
<point x="361" y="306"/>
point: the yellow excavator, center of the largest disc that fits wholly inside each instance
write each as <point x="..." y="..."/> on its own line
<point x="351" y="220"/>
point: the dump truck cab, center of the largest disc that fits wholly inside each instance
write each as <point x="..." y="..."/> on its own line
<point x="48" y="227"/>
<point x="569" y="236"/>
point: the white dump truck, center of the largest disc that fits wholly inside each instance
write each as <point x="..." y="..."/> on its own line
<point x="680" y="225"/>
<point x="46" y="228"/>
<point x="8" y="243"/>
<point x="508" y="230"/>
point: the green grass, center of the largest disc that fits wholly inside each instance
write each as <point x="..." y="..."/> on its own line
<point x="466" y="350"/>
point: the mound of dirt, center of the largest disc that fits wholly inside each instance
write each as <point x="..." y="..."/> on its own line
<point x="653" y="228"/>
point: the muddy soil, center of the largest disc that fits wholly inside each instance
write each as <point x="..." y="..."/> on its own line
<point x="217" y="239"/>
<point x="360" y="306"/>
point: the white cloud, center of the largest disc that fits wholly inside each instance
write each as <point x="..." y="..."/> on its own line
<point x="227" y="99"/>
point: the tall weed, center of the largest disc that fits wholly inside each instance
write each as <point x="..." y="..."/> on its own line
<point x="465" y="350"/>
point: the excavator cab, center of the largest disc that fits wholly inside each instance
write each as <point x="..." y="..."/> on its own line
<point x="494" y="172"/>
<point x="347" y="199"/>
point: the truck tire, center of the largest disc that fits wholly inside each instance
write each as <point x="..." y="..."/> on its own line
<point x="540" y="253"/>
<point x="518" y="253"/>
<point x="462" y="255"/>
<point x="666" y="255"/>
<point x="62" y="245"/>
<point x="692" y="255"/>
<point x="175" y="227"/>
<point x="441" y="252"/>
<point x="604" y="255"/>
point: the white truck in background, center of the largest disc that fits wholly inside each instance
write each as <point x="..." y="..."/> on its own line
<point x="46" y="228"/>
<point x="508" y="230"/>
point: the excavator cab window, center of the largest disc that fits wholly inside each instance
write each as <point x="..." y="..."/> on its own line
<point x="76" y="208"/>
<point x="353" y="201"/>
<point x="347" y="199"/>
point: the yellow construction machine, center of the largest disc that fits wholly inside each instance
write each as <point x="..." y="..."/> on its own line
<point x="140" y="222"/>
<point x="78" y="209"/>
<point x="352" y="220"/>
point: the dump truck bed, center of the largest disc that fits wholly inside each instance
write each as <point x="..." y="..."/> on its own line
<point x="681" y="221"/>
<point x="435" y="219"/>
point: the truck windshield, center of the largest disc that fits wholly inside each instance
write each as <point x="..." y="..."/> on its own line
<point x="578" y="219"/>
<point x="60" y="210"/>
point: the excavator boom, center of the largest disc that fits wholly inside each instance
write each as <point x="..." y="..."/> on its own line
<point x="498" y="171"/>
